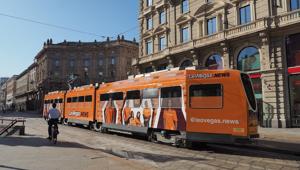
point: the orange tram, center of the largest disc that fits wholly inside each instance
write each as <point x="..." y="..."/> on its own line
<point x="175" y="106"/>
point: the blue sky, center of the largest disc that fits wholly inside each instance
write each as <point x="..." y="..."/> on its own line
<point x="20" y="41"/>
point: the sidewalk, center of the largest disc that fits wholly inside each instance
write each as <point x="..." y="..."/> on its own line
<point x="286" y="139"/>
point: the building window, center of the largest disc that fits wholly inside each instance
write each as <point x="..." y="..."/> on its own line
<point x="149" y="47"/>
<point x="86" y="62"/>
<point x="149" y="2"/>
<point x="185" y="34"/>
<point x="72" y="63"/>
<point x="162" y="43"/>
<point x="248" y="59"/>
<point x="294" y="4"/>
<point x="209" y="1"/>
<point x="245" y="15"/>
<point x="113" y="60"/>
<point x="162" y="17"/>
<point x="162" y="67"/>
<point x="184" y="6"/>
<point x="186" y="63"/>
<point x="149" y="23"/>
<point x="56" y="63"/>
<point x="211" y="26"/>
<point x="214" y="62"/>
<point x="293" y="50"/>
<point x="100" y="62"/>
<point x="148" y="69"/>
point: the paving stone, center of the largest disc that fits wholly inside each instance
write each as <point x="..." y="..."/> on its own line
<point x="242" y="168"/>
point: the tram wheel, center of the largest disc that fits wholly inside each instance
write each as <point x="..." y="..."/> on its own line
<point x="97" y="127"/>
<point x="65" y="121"/>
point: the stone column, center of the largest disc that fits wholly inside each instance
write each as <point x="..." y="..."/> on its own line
<point x="137" y="70"/>
<point x="153" y="66"/>
<point x="252" y="6"/>
<point x="225" y="55"/>
<point x="272" y="83"/>
<point x="200" y="29"/>
<point x="195" y="58"/>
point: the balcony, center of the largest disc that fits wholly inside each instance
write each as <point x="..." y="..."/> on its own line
<point x="148" y="10"/>
<point x="210" y="39"/>
<point x="232" y="33"/>
<point x="287" y="18"/>
<point x="258" y="25"/>
<point x="154" y="56"/>
<point x="161" y="3"/>
<point x="181" y="47"/>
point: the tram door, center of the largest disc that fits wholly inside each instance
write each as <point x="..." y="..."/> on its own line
<point x="295" y="99"/>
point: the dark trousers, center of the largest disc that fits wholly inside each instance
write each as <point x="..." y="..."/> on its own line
<point x="50" y="123"/>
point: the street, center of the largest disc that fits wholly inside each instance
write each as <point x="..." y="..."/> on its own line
<point x="80" y="148"/>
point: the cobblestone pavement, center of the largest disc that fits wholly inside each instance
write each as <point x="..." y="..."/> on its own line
<point x="85" y="149"/>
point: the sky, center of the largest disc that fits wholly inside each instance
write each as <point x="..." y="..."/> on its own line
<point x="21" y="40"/>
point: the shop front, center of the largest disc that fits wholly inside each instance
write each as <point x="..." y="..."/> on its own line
<point x="293" y="63"/>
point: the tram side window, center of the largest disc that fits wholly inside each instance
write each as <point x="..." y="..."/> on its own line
<point x="69" y="100"/>
<point x="88" y="98"/>
<point x="56" y="101"/>
<point x="74" y="99"/>
<point x="206" y="96"/>
<point x="249" y="91"/>
<point x="60" y="100"/>
<point x="104" y="97"/>
<point x="171" y="97"/>
<point x="133" y="98"/>
<point x="81" y="98"/>
<point x="118" y="97"/>
<point x="150" y="98"/>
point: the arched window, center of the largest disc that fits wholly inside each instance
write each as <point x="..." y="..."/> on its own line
<point x="186" y="63"/>
<point x="214" y="62"/>
<point x="248" y="59"/>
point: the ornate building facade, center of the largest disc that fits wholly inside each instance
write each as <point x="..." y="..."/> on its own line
<point x="259" y="37"/>
<point x="79" y="63"/>
<point x="26" y="92"/>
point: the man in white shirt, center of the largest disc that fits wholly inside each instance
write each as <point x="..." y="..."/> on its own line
<point x="53" y="116"/>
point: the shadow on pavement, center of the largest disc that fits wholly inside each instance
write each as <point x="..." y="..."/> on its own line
<point x="9" y="167"/>
<point x="279" y="146"/>
<point x="263" y="149"/>
<point x="38" y="142"/>
<point x="21" y="114"/>
<point x="250" y="151"/>
<point x="149" y="156"/>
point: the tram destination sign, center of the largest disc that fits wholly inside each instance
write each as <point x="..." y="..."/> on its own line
<point x="208" y="75"/>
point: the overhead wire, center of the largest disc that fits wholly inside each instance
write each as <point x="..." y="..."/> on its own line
<point x="51" y="25"/>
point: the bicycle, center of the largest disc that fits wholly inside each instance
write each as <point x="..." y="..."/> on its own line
<point x="54" y="133"/>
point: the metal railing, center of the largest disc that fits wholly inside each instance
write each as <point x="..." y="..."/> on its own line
<point x="11" y="123"/>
